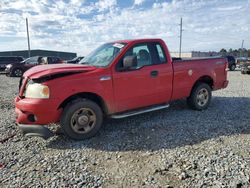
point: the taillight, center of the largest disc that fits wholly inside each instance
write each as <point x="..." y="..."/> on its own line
<point x="226" y="66"/>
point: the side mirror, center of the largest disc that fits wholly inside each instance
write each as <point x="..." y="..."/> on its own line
<point x="129" y="62"/>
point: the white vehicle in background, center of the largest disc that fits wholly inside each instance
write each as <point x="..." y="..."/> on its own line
<point x="241" y="59"/>
<point x="245" y="66"/>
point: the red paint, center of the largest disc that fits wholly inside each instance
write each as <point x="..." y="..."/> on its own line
<point x="125" y="90"/>
<point x="1" y="165"/>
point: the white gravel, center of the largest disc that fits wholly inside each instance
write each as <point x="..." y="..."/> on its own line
<point x="177" y="147"/>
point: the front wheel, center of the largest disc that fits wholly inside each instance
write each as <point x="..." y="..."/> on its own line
<point x="200" y="97"/>
<point x="81" y="119"/>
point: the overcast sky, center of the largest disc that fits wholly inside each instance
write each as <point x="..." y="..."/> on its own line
<point x="79" y="26"/>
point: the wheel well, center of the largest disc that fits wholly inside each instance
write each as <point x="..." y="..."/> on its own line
<point x="205" y="79"/>
<point x="91" y="96"/>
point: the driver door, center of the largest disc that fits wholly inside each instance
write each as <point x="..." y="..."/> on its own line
<point x="140" y="87"/>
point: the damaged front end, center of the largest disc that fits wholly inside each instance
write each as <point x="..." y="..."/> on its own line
<point x="34" y="107"/>
<point x="54" y="76"/>
<point x="37" y="104"/>
<point x="36" y="82"/>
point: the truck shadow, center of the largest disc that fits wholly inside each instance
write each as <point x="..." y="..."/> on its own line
<point x="174" y="127"/>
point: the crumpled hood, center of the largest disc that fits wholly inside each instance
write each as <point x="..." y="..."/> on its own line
<point x="47" y="70"/>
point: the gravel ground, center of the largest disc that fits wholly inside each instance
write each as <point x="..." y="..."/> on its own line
<point x="176" y="147"/>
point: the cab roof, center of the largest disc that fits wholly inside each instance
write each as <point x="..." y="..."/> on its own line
<point x="138" y="40"/>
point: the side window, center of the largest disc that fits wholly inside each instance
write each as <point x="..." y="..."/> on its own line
<point x="142" y="54"/>
<point x="58" y="60"/>
<point x="39" y="60"/>
<point x="55" y="60"/>
<point x="44" y="61"/>
<point x="31" y="61"/>
<point x="52" y="60"/>
<point x="161" y="54"/>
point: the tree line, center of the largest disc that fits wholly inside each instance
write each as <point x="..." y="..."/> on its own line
<point x="241" y="52"/>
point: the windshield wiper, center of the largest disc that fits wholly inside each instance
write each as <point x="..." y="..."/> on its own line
<point x="83" y="62"/>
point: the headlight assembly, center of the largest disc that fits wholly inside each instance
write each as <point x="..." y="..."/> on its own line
<point x="37" y="91"/>
<point x="8" y="66"/>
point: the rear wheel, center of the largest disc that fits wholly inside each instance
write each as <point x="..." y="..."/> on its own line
<point x="200" y="97"/>
<point x="17" y="72"/>
<point x="81" y="119"/>
<point x="232" y="67"/>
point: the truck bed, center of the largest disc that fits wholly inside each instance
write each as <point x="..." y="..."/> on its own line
<point x="188" y="71"/>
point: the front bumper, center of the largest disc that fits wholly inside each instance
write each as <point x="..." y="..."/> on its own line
<point x="36" y="130"/>
<point x="225" y="83"/>
<point x="7" y="71"/>
<point x="37" y="111"/>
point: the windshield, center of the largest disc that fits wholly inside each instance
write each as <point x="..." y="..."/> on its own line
<point x="103" y="55"/>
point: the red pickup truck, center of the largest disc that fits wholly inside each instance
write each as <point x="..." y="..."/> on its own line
<point x="117" y="80"/>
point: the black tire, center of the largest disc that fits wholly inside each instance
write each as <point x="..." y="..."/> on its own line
<point x="17" y="72"/>
<point x="232" y="67"/>
<point x="195" y="102"/>
<point x="243" y="72"/>
<point x="77" y="118"/>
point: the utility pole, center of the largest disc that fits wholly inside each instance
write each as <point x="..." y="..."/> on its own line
<point x="180" y="38"/>
<point x="28" y="37"/>
<point x="242" y="44"/>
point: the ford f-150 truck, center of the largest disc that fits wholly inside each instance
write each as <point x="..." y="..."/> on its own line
<point x="117" y="80"/>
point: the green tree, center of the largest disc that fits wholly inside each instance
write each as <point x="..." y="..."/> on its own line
<point x="223" y="51"/>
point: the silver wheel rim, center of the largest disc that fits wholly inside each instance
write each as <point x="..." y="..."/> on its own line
<point x="83" y="120"/>
<point x="18" y="72"/>
<point x="202" y="97"/>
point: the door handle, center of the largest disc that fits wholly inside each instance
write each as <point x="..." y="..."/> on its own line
<point x="104" y="78"/>
<point x="154" y="73"/>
